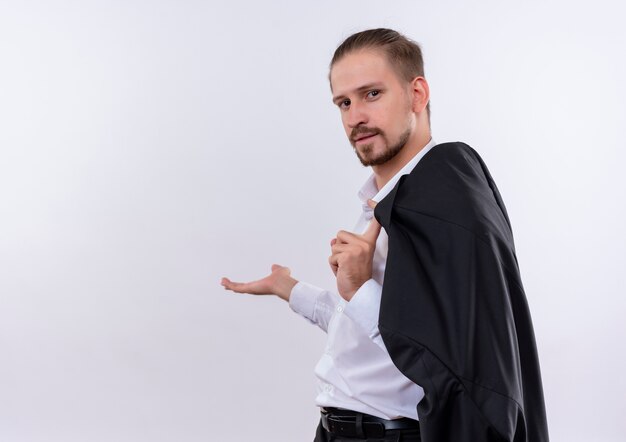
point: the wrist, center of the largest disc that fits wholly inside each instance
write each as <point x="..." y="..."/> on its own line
<point x="284" y="287"/>
<point x="348" y="292"/>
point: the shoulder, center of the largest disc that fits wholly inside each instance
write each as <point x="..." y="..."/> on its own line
<point x="450" y="160"/>
<point x="449" y="173"/>
<point x="451" y="183"/>
<point x="451" y="149"/>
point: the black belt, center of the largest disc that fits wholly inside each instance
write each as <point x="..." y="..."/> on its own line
<point x="350" y="423"/>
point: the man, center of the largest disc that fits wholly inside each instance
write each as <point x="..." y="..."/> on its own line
<point x="429" y="336"/>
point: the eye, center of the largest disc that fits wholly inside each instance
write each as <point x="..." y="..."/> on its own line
<point x="373" y="94"/>
<point x="344" y="104"/>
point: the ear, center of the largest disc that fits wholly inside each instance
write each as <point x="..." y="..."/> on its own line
<point x="421" y="94"/>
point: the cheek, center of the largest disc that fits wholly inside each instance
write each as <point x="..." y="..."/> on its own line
<point x="397" y="119"/>
<point x="387" y="114"/>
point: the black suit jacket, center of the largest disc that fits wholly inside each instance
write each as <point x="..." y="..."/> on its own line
<point x="454" y="315"/>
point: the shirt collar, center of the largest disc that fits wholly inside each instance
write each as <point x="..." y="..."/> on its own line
<point x="369" y="190"/>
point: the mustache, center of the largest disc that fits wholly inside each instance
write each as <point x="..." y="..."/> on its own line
<point x="359" y="131"/>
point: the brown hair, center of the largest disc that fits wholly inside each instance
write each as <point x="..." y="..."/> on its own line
<point x="404" y="54"/>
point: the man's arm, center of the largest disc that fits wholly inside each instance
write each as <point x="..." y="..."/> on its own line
<point x="351" y="262"/>
<point x="313" y="303"/>
<point x="364" y="308"/>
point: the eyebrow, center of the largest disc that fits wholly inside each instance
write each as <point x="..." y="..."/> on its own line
<point x="376" y="85"/>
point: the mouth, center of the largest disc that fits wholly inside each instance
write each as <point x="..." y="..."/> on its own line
<point x="364" y="137"/>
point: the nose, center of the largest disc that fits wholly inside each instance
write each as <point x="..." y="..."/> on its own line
<point x="355" y="116"/>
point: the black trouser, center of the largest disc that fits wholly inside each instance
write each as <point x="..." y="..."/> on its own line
<point x="404" y="435"/>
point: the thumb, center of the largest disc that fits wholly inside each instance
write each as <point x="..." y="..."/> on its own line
<point x="372" y="232"/>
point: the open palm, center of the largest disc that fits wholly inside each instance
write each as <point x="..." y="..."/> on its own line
<point x="269" y="285"/>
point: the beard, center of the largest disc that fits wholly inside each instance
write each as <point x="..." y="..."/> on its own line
<point x="392" y="149"/>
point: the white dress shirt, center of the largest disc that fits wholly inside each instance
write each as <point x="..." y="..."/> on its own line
<point x="356" y="372"/>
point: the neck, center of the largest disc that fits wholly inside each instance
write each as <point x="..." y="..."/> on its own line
<point x="384" y="172"/>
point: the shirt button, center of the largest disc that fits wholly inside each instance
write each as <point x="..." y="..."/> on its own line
<point x="340" y="308"/>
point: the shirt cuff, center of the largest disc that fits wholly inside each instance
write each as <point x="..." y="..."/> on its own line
<point x="364" y="307"/>
<point x="303" y="298"/>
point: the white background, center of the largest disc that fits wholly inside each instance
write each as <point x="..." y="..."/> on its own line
<point x="148" y="148"/>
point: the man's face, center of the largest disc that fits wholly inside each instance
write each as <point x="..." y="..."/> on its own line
<point x="375" y="106"/>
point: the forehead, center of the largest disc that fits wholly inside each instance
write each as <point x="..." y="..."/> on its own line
<point x="358" y="68"/>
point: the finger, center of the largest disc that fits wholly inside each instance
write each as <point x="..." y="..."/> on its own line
<point x="279" y="270"/>
<point x="243" y="287"/>
<point x="336" y="259"/>
<point x="253" y="287"/>
<point x="334" y="269"/>
<point x="333" y="260"/>
<point x="343" y="236"/>
<point x="372" y="232"/>
<point x="372" y="203"/>
<point x="333" y="265"/>
<point x="228" y="284"/>
<point x="339" y="248"/>
<point x="333" y="241"/>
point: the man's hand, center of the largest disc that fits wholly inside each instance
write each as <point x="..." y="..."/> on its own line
<point x="352" y="256"/>
<point x="278" y="283"/>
